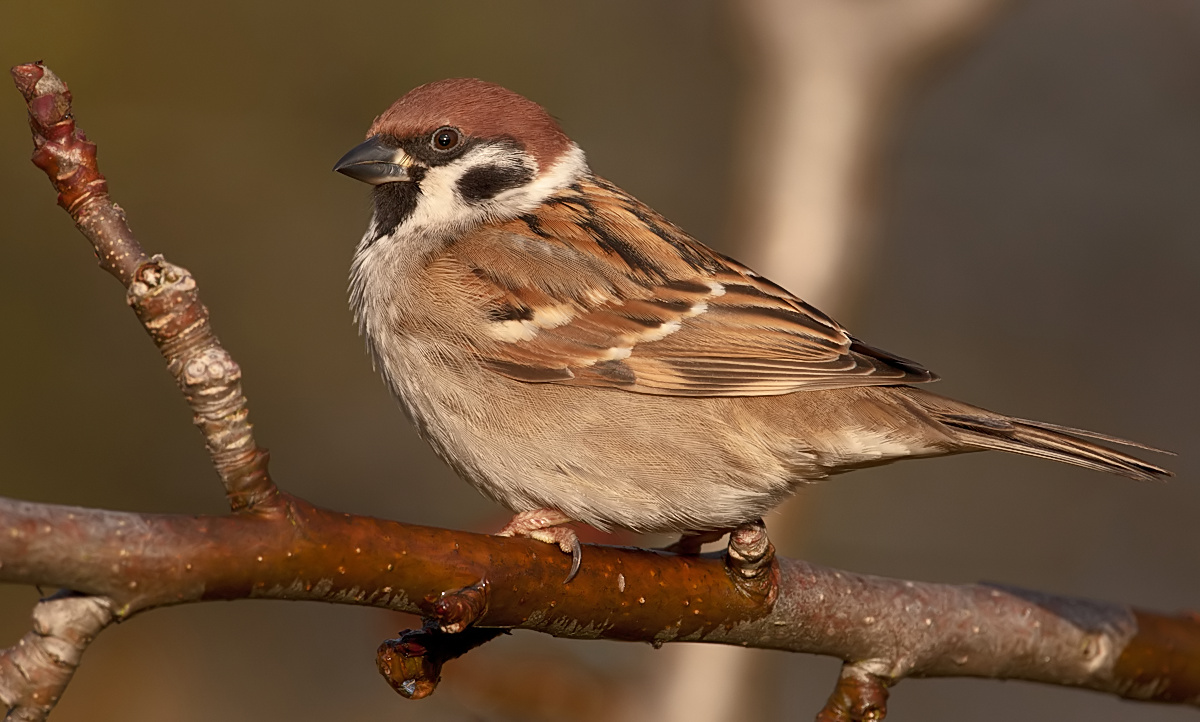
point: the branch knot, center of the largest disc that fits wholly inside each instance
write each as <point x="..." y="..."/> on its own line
<point x="750" y="563"/>
<point x="456" y="610"/>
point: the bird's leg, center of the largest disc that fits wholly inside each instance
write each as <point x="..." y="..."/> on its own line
<point x="691" y="541"/>
<point x="544" y="525"/>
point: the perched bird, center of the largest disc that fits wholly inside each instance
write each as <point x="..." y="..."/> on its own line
<point x="578" y="357"/>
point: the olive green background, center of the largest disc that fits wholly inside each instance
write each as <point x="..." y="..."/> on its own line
<point x="1040" y="249"/>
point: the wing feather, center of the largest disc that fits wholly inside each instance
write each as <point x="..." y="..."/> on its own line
<point x="598" y="289"/>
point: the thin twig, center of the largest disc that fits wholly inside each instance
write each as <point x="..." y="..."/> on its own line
<point x="34" y="673"/>
<point x="162" y="294"/>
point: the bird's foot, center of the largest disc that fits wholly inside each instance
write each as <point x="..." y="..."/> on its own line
<point x="691" y="542"/>
<point x="545" y="525"/>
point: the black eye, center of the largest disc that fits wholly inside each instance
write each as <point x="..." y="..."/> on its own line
<point x="445" y="139"/>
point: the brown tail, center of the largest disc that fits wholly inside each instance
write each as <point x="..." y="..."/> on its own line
<point x="982" y="429"/>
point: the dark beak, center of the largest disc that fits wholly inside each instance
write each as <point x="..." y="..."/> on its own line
<point x="375" y="162"/>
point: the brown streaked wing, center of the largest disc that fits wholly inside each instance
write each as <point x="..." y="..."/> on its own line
<point x="599" y="290"/>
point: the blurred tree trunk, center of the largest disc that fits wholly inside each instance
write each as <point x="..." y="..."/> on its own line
<point x="824" y="82"/>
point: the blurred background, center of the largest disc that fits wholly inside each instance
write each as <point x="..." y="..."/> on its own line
<point x="1008" y="192"/>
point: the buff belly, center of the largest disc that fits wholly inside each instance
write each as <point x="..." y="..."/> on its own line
<point x="593" y="454"/>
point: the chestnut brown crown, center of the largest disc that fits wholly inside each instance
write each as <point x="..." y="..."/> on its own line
<point x="479" y="109"/>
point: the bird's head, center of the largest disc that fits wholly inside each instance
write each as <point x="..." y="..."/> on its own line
<point x="455" y="153"/>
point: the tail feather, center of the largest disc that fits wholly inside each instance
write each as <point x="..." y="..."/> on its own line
<point x="978" y="428"/>
<point x="1072" y="431"/>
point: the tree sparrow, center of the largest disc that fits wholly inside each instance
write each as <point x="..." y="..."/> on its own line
<point x="578" y="357"/>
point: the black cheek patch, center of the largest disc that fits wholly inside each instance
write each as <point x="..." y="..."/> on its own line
<point x="488" y="181"/>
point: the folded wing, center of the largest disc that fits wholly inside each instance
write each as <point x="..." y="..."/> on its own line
<point x="597" y="289"/>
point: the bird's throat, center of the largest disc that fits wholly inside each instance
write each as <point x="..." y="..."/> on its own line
<point x="394" y="204"/>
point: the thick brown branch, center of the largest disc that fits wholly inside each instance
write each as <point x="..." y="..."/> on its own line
<point x="888" y="629"/>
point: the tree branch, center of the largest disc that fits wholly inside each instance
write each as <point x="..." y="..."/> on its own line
<point x="889" y="629"/>
<point x="34" y="673"/>
<point x="162" y="295"/>
<point x="471" y="586"/>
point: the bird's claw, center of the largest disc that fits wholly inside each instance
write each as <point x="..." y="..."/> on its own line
<point x="567" y="540"/>
<point x="544" y="526"/>
<point x="576" y="558"/>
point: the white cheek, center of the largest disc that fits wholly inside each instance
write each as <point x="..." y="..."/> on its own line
<point x="440" y="205"/>
<point x="565" y="171"/>
<point x="441" y="209"/>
